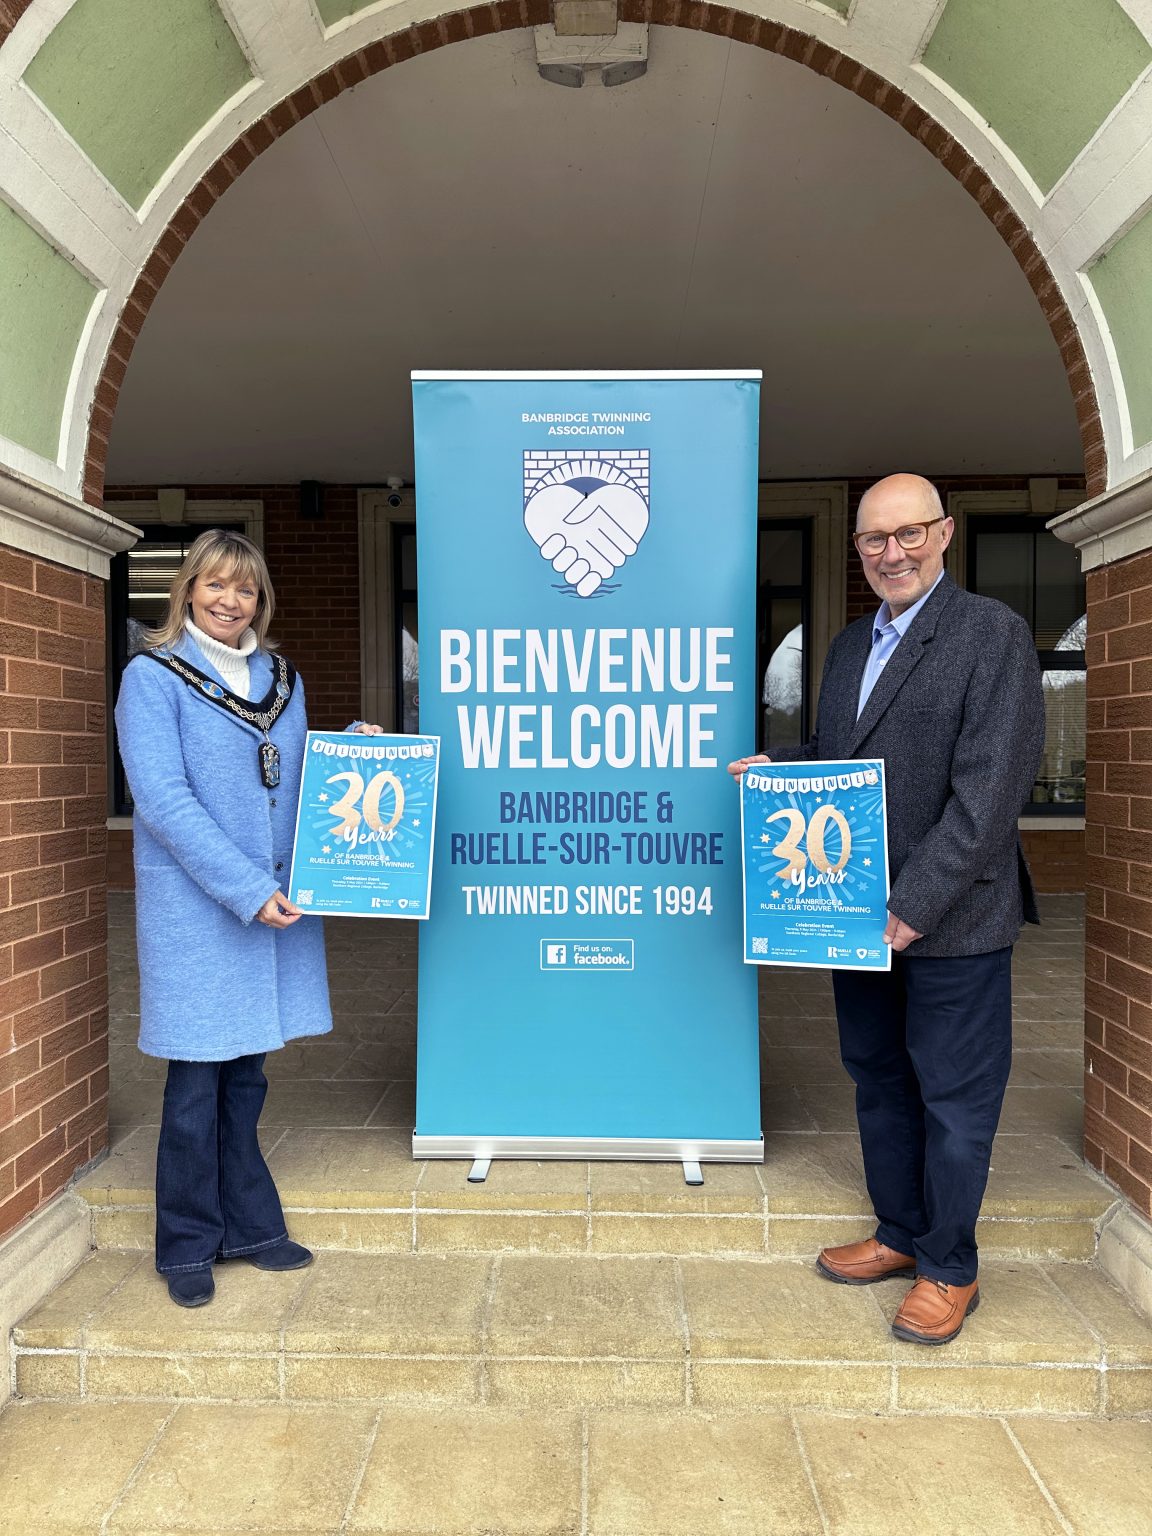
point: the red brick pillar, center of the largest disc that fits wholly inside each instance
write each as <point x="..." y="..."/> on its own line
<point x="1118" y="951"/>
<point x="53" y="937"/>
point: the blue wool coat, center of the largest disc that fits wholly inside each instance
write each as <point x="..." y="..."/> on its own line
<point x="211" y="844"/>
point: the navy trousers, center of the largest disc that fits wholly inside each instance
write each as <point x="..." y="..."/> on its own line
<point x="215" y="1198"/>
<point x="929" y="1047"/>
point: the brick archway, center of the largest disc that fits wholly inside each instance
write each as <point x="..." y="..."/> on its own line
<point x="507" y="15"/>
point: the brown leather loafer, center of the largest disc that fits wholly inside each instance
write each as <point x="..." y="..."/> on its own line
<point x="863" y="1263"/>
<point x="933" y="1313"/>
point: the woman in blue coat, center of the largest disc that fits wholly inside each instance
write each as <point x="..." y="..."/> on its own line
<point x="211" y="729"/>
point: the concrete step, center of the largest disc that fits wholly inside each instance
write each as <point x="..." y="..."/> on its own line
<point x="360" y="1190"/>
<point x="584" y="1331"/>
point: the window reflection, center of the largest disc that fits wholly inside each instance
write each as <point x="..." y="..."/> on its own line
<point x="1060" y="780"/>
<point x="783" y="692"/>
<point x="1020" y="562"/>
<point x="409" y="673"/>
<point x="781" y="628"/>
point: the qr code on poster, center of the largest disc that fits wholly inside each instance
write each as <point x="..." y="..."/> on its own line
<point x="305" y="898"/>
<point x="759" y="946"/>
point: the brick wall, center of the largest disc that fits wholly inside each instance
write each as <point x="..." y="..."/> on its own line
<point x="315" y="566"/>
<point x="1118" y="893"/>
<point x="315" y="569"/>
<point x="10" y="13"/>
<point x="121" y="875"/>
<point x="1056" y="857"/>
<point x="53" y="942"/>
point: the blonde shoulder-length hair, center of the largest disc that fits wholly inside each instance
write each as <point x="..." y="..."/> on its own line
<point x="217" y="552"/>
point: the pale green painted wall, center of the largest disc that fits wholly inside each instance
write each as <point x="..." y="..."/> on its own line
<point x="332" y="11"/>
<point x="1123" y="283"/>
<point x="133" y="80"/>
<point x="1045" y="73"/>
<point x="44" y="303"/>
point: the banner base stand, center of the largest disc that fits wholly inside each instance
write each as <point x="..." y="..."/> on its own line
<point x="484" y="1149"/>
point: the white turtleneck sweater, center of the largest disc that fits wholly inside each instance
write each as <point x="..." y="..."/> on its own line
<point x="231" y="661"/>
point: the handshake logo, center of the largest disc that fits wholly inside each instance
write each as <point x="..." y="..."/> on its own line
<point x="586" y="516"/>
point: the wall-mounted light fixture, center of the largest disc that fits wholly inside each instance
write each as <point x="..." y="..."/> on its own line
<point x="587" y="36"/>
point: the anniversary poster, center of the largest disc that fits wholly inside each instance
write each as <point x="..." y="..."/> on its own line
<point x="815" y="865"/>
<point x="365" y="825"/>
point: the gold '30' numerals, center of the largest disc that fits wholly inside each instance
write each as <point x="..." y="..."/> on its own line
<point x="800" y="830"/>
<point x="347" y="809"/>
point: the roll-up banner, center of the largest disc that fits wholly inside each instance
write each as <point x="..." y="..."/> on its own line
<point x="587" y="560"/>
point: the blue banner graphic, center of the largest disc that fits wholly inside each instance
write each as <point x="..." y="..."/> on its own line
<point x="365" y="825"/>
<point x="815" y="865"/>
<point x="587" y="550"/>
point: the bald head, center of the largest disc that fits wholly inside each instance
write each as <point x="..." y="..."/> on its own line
<point x="903" y="571"/>
<point x="910" y="494"/>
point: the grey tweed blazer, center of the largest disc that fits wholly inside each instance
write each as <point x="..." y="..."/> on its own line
<point x="958" y="717"/>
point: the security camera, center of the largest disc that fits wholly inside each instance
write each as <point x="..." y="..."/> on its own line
<point x="395" y="486"/>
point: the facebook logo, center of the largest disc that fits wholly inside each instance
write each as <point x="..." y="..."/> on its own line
<point x="587" y="955"/>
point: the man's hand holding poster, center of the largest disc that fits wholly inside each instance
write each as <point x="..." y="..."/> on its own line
<point x="815" y="865"/>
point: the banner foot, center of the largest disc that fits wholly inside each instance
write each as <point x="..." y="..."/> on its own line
<point x="481" y="1149"/>
<point x="693" y="1173"/>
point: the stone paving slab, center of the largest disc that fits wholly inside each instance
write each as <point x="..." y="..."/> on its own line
<point x="385" y="1305"/>
<point x="358" y="1168"/>
<point x="215" y="1468"/>
<point x="472" y="1473"/>
<point x="486" y="1470"/>
<point x="580" y="1308"/>
<point x="361" y="1189"/>
<point x="583" y="1331"/>
<point x="925" y="1475"/>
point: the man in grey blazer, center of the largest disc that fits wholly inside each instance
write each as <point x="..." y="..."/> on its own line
<point x="945" y="687"/>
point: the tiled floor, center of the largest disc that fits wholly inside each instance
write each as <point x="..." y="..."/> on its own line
<point x="585" y="1349"/>
<point x="205" y="1469"/>
<point x="363" y="1074"/>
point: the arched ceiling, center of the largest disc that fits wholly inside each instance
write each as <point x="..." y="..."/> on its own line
<point x="121" y="124"/>
<point x="729" y="209"/>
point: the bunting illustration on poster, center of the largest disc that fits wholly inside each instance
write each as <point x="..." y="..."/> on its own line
<point x="588" y="667"/>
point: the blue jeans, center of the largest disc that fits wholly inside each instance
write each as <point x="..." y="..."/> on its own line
<point x="929" y="1047"/>
<point x="215" y="1198"/>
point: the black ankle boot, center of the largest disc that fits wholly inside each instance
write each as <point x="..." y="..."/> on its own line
<point x="285" y="1255"/>
<point x="193" y="1288"/>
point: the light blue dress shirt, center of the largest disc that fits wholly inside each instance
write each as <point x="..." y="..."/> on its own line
<point x="887" y="634"/>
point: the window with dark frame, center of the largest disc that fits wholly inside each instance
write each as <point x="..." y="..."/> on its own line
<point x="1017" y="560"/>
<point x="138" y="583"/>
<point x="405" y="629"/>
